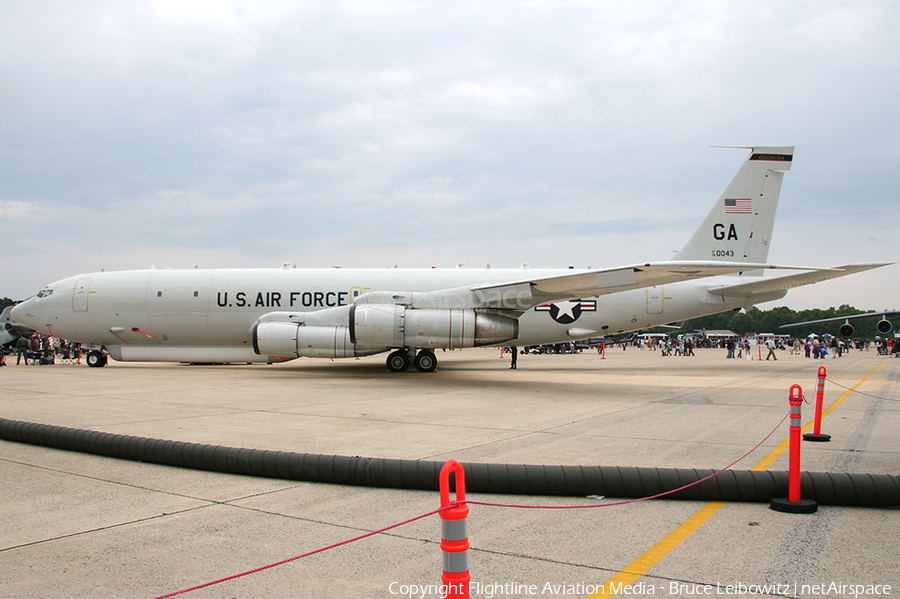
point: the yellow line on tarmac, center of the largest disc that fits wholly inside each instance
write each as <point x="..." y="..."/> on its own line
<point x="639" y="567"/>
<point x="633" y="571"/>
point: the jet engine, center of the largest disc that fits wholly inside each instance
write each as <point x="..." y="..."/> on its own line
<point x="293" y="340"/>
<point x="883" y="326"/>
<point x="366" y="329"/>
<point x="386" y="325"/>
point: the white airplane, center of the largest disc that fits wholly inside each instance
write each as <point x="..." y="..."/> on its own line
<point x="269" y="315"/>
<point x="883" y="326"/>
<point x="10" y="330"/>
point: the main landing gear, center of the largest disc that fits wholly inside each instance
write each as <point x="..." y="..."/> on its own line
<point x="424" y="361"/>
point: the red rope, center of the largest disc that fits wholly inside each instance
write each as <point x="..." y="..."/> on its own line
<point x="657" y="496"/>
<point x="860" y="392"/>
<point x="458" y="503"/>
<point x="282" y="562"/>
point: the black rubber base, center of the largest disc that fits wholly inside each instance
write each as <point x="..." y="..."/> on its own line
<point x="826" y="488"/>
<point x="803" y="506"/>
<point x="814" y="437"/>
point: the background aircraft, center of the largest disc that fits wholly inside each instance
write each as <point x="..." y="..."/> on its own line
<point x="883" y="326"/>
<point x="267" y="315"/>
<point x="10" y="330"/>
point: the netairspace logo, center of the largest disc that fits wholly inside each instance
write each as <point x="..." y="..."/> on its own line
<point x="740" y="589"/>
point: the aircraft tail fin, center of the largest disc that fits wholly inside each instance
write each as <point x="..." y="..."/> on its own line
<point x="739" y="226"/>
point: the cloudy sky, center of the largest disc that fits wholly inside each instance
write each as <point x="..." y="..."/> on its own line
<point x="178" y="133"/>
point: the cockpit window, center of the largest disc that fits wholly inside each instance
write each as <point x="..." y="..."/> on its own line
<point x="45" y="293"/>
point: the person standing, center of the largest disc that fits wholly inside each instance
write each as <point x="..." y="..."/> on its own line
<point x="771" y="345"/>
<point x="513" y="357"/>
<point x="21" y="350"/>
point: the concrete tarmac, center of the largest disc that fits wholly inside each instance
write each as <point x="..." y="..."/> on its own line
<point x="77" y="525"/>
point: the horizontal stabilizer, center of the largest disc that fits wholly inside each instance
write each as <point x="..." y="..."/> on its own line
<point x="772" y="285"/>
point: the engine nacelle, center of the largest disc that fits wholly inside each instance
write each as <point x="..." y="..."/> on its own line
<point x="290" y="340"/>
<point x="846" y="329"/>
<point x="366" y="329"/>
<point x="277" y="339"/>
<point x="380" y="325"/>
<point x="324" y="342"/>
<point x="884" y="326"/>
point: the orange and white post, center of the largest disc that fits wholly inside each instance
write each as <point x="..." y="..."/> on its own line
<point x="793" y="503"/>
<point x="454" y="534"/>
<point x="817" y="435"/>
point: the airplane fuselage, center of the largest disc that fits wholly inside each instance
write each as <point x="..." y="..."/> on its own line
<point x="264" y="315"/>
<point x="208" y="315"/>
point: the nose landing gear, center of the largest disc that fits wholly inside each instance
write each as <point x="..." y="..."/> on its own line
<point x="96" y="359"/>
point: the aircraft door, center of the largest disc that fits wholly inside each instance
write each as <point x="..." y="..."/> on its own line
<point x="80" y="295"/>
<point x="655" y="299"/>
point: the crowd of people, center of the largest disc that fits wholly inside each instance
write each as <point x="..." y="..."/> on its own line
<point x="813" y="347"/>
<point x="888" y="346"/>
<point x="668" y="346"/>
<point x="40" y="349"/>
<point x="43" y="350"/>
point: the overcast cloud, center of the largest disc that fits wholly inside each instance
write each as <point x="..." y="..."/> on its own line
<point x="180" y="133"/>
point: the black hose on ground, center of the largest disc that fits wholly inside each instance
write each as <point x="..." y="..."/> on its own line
<point x="825" y="488"/>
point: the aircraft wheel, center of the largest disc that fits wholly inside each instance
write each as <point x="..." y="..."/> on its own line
<point x="398" y="361"/>
<point x="96" y="359"/>
<point x="425" y="361"/>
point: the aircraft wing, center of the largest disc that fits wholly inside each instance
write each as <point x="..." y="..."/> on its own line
<point x="789" y="282"/>
<point x="524" y="294"/>
<point x="883" y="314"/>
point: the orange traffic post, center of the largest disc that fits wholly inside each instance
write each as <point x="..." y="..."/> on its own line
<point x="793" y="503"/>
<point x="817" y="435"/>
<point x="454" y="534"/>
